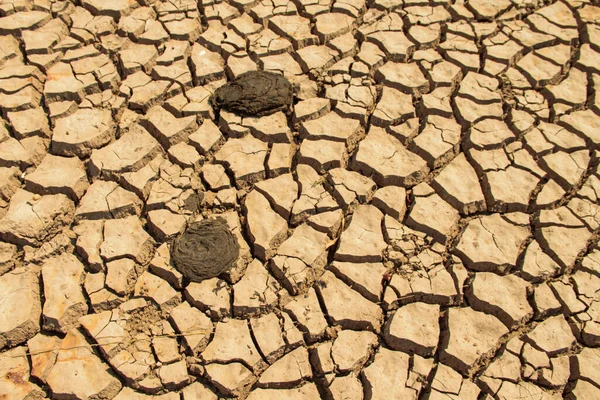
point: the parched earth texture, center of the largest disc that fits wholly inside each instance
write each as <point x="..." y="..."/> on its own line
<point x="422" y="224"/>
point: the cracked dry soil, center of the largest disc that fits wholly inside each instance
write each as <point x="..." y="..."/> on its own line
<point x="415" y="215"/>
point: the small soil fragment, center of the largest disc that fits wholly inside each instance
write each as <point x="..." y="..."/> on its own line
<point x="205" y="250"/>
<point x="255" y="93"/>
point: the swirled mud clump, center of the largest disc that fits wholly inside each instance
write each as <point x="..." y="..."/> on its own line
<point x="205" y="250"/>
<point x="255" y="93"/>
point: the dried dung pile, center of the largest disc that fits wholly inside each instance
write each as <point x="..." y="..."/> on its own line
<point x="255" y="93"/>
<point x="205" y="250"/>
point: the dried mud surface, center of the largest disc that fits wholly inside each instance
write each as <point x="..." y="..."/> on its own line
<point x="405" y="206"/>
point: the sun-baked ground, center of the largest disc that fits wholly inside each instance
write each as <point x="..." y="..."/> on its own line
<point x="422" y="224"/>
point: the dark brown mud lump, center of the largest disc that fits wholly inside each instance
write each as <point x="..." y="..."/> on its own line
<point x="255" y="93"/>
<point x="205" y="250"/>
